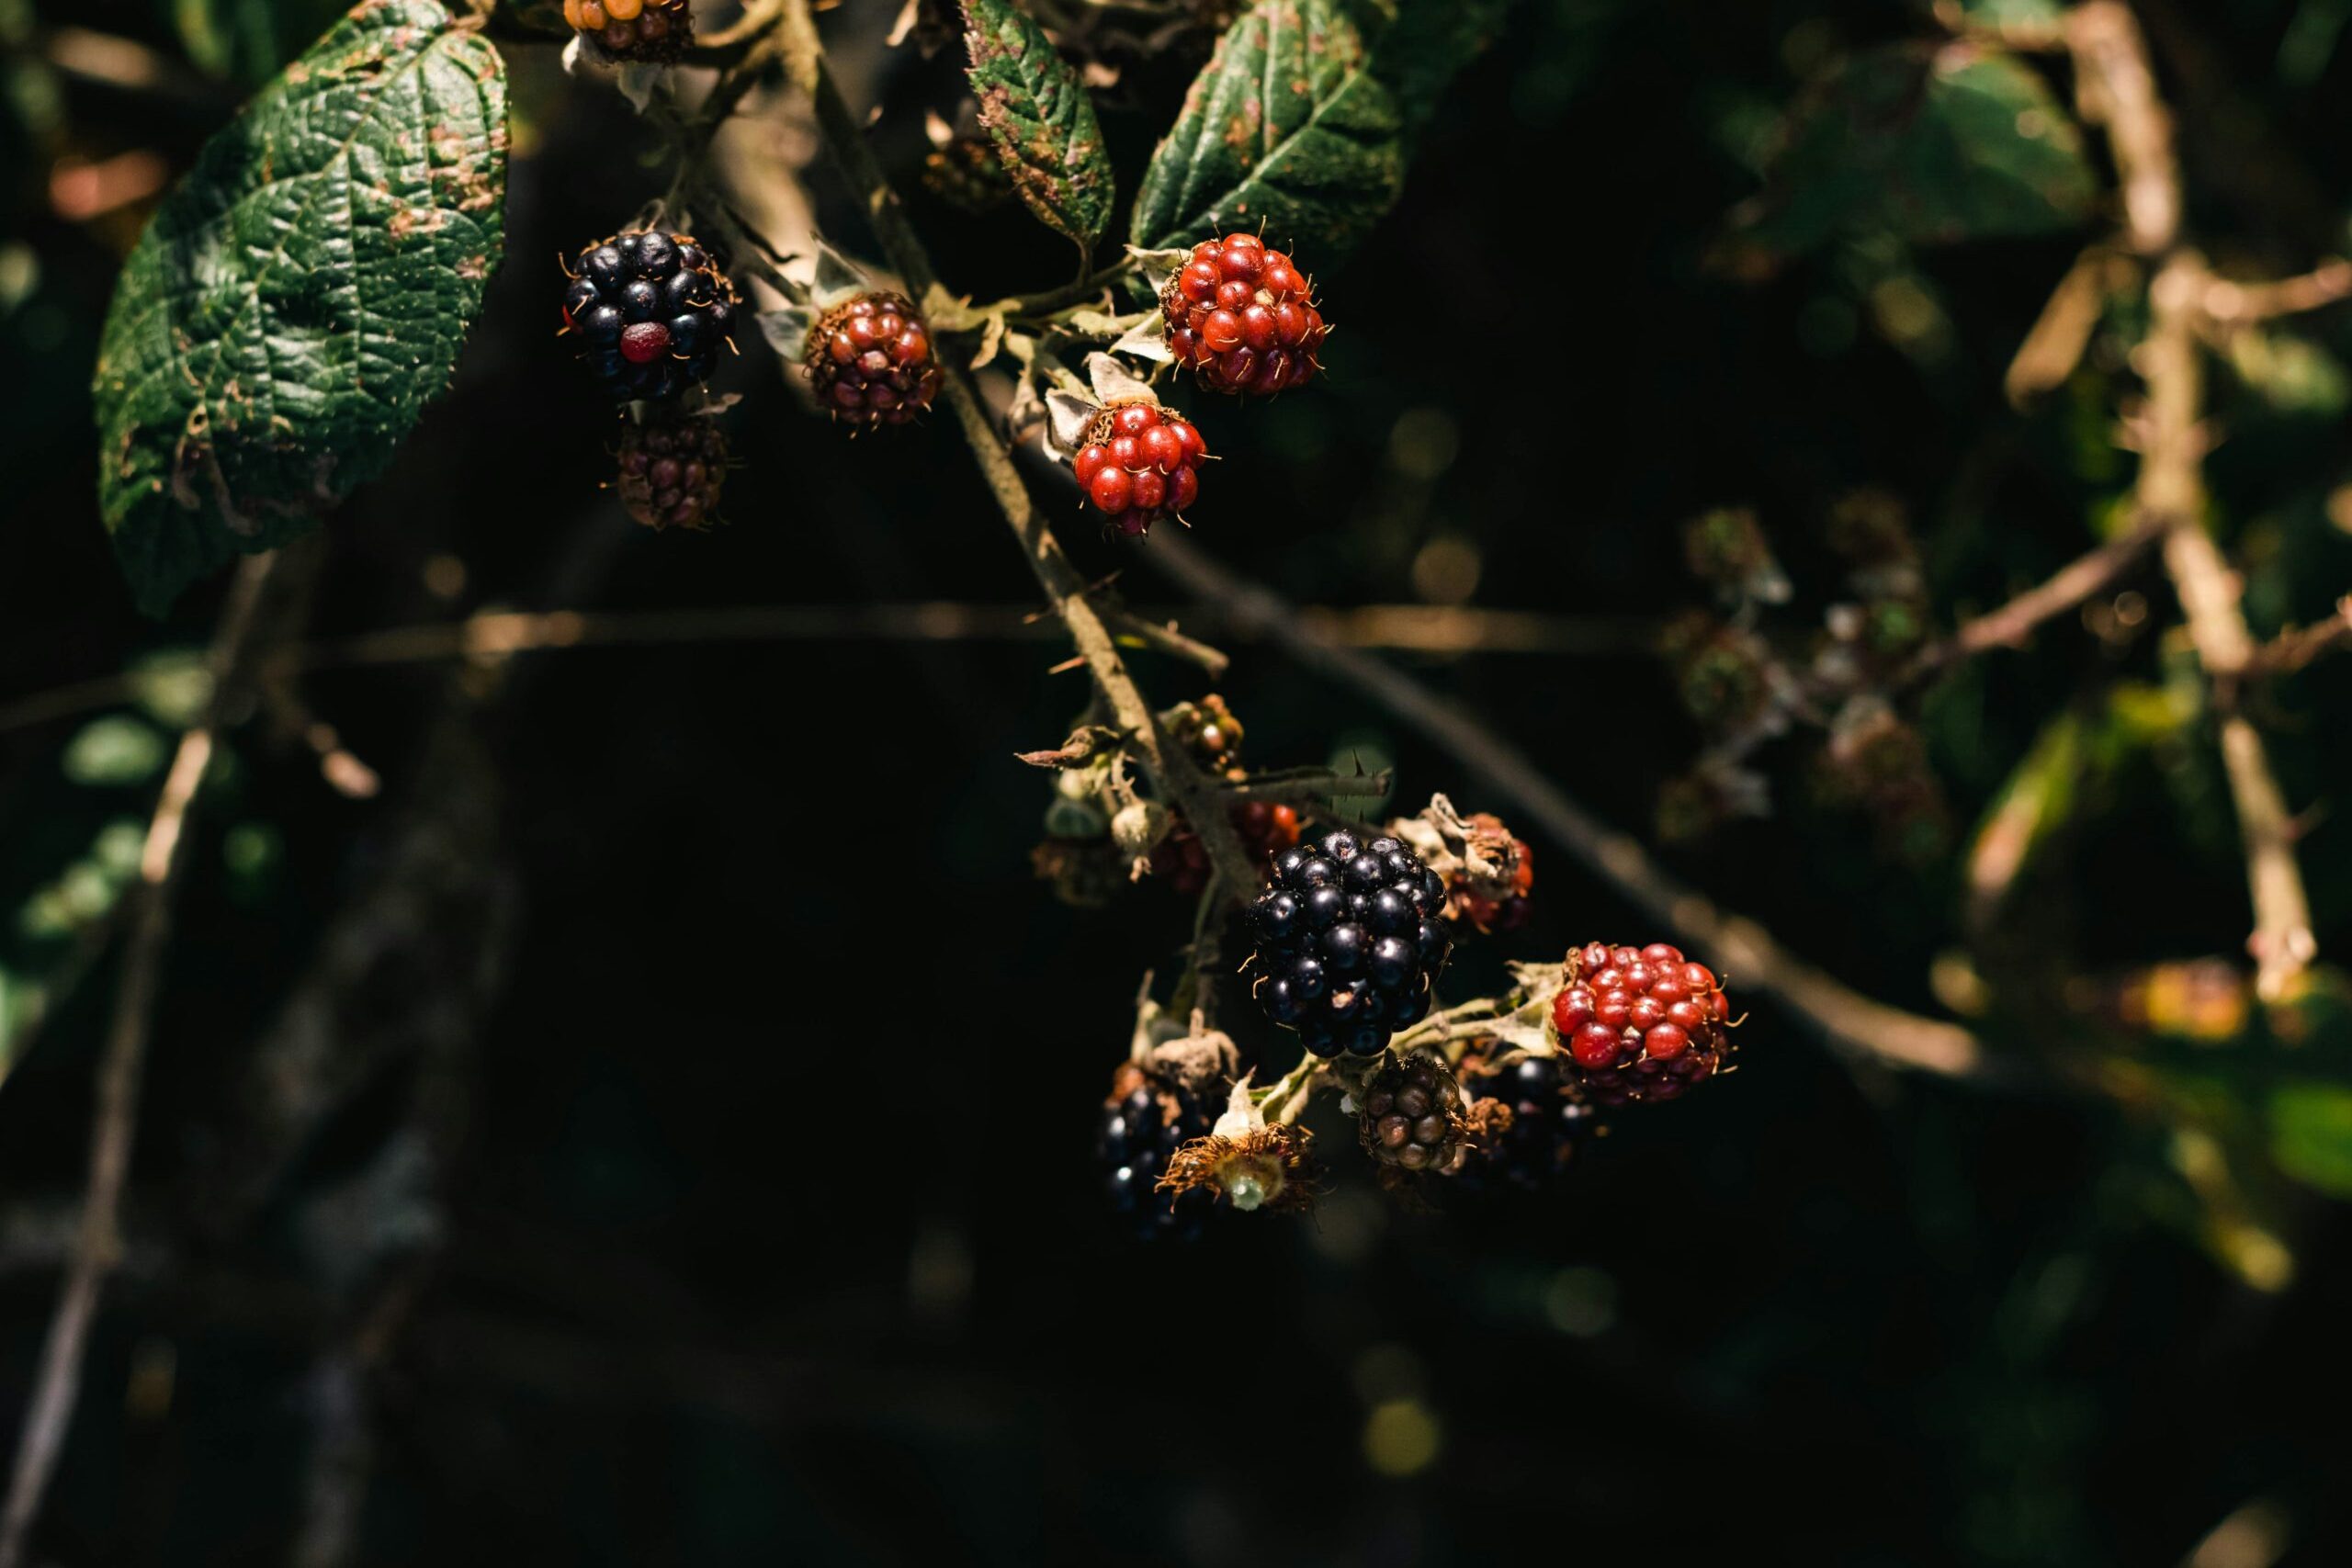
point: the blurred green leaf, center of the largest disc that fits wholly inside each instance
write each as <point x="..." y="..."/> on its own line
<point x="1928" y="145"/>
<point x="301" y="296"/>
<point x="249" y="41"/>
<point x="1035" y="109"/>
<point x="1302" y="120"/>
<point x="115" y="752"/>
<point x="2310" y="1135"/>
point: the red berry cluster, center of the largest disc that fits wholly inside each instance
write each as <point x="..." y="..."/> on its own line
<point x="869" y="360"/>
<point x="1640" y="1023"/>
<point x="1243" y="317"/>
<point x="1140" y="464"/>
<point x="1266" y="831"/>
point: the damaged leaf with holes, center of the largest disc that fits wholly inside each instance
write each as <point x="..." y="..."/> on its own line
<point x="1036" y="110"/>
<point x="1932" y="144"/>
<point x="301" y="296"/>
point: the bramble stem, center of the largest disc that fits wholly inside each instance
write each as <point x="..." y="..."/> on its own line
<point x="1179" y="781"/>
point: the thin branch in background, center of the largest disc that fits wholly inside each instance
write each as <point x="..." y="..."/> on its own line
<point x="58" y="1381"/>
<point x="2116" y="85"/>
<point x="2013" y="624"/>
<point x="2294" y="649"/>
<point x="2230" y="304"/>
<point x="1735" y="946"/>
<point x="1186" y="791"/>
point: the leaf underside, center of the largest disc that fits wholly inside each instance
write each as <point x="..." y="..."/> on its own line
<point x="1036" y="111"/>
<point x="301" y="295"/>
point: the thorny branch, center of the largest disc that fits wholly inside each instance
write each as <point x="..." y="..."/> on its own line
<point x="1170" y="767"/>
<point x="2116" y="86"/>
<point x="99" y="1247"/>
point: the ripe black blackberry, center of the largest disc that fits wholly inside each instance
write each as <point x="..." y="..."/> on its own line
<point x="1349" y="940"/>
<point x="671" y="472"/>
<point x="1410" y="1115"/>
<point x="1144" y="1122"/>
<point x="1548" y="1123"/>
<point x="652" y="310"/>
<point x="651" y="32"/>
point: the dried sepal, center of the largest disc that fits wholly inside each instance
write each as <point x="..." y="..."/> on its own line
<point x="1477" y="853"/>
<point x="1246" y="1159"/>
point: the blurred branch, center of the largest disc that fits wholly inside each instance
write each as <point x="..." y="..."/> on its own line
<point x="2116" y="86"/>
<point x="2015" y="623"/>
<point x="495" y="633"/>
<point x="2292" y="649"/>
<point x="1859" y="1027"/>
<point x="2233" y="304"/>
<point x="98" y="1247"/>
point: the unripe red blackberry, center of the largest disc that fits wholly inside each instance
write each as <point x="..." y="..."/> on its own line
<point x="671" y="472"/>
<point x="1533" y="1122"/>
<point x="652" y="32"/>
<point x="1243" y="317"/>
<point x="1145" y="1121"/>
<point x="1350" y="940"/>
<point x="1208" y="730"/>
<point x="1637" y="1024"/>
<point x="651" y="310"/>
<point x="1409" y="1115"/>
<point x="1139" y="463"/>
<point x="869" y="360"/>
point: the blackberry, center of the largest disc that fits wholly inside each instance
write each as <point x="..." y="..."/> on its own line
<point x="1410" y="1115"/>
<point x="671" y="472"/>
<point x="1640" y="1023"/>
<point x="1138" y="464"/>
<point x="1349" y="940"/>
<point x="650" y="32"/>
<point x="1145" y="1121"/>
<point x="1242" y="317"/>
<point x="652" y="310"/>
<point x="1548" y="1120"/>
<point x="869" y="360"/>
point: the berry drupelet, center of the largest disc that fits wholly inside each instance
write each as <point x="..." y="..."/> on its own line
<point x="1548" y="1122"/>
<point x="671" y="472"/>
<point x="1640" y="1023"/>
<point x="1265" y="830"/>
<point x="1145" y="1121"/>
<point x="650" y="32"/>
<point x="1139" y="463"/>
<point x="1411" y="1115"/>
<point x="652" y="310"/>
<point x="1242" y="317"/>
<point x="1348" y="942"/>
<point x="869" y="360"/>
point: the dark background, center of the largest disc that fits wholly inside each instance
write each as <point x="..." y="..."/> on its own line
<point x="713" y="1181"/>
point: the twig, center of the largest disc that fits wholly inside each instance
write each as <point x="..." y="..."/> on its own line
<point x="2117" y="86"/>
<point x="2015" y="623"/>
<point x="1309" y="787"/>
<point x="1738" y="947"/>
<point x="1165" y="638"/>
<point x="51" y="1410"/>
<point x="2292" y="649"/>
<point x="2231" y="304"/>
<point x="1065" y="587"/>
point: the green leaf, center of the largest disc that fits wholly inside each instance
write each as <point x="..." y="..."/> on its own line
<point x="301" y="295"/>
<point x="1302" y="121"/>
<point x="1930" y="146"/>
<point x="2310" y="1136"/>
<point x="249" y="39"/>
<point x="1036" y="111"/>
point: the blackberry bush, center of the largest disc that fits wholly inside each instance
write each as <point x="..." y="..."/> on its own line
<point x="651" y="311"/>
<point x="869" y="361"/>
<point x="1140" y="464"/>
<point x="1640" y="1023"/>
<point x="1349" y="940"/>
<point x="1243" y="318"/>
